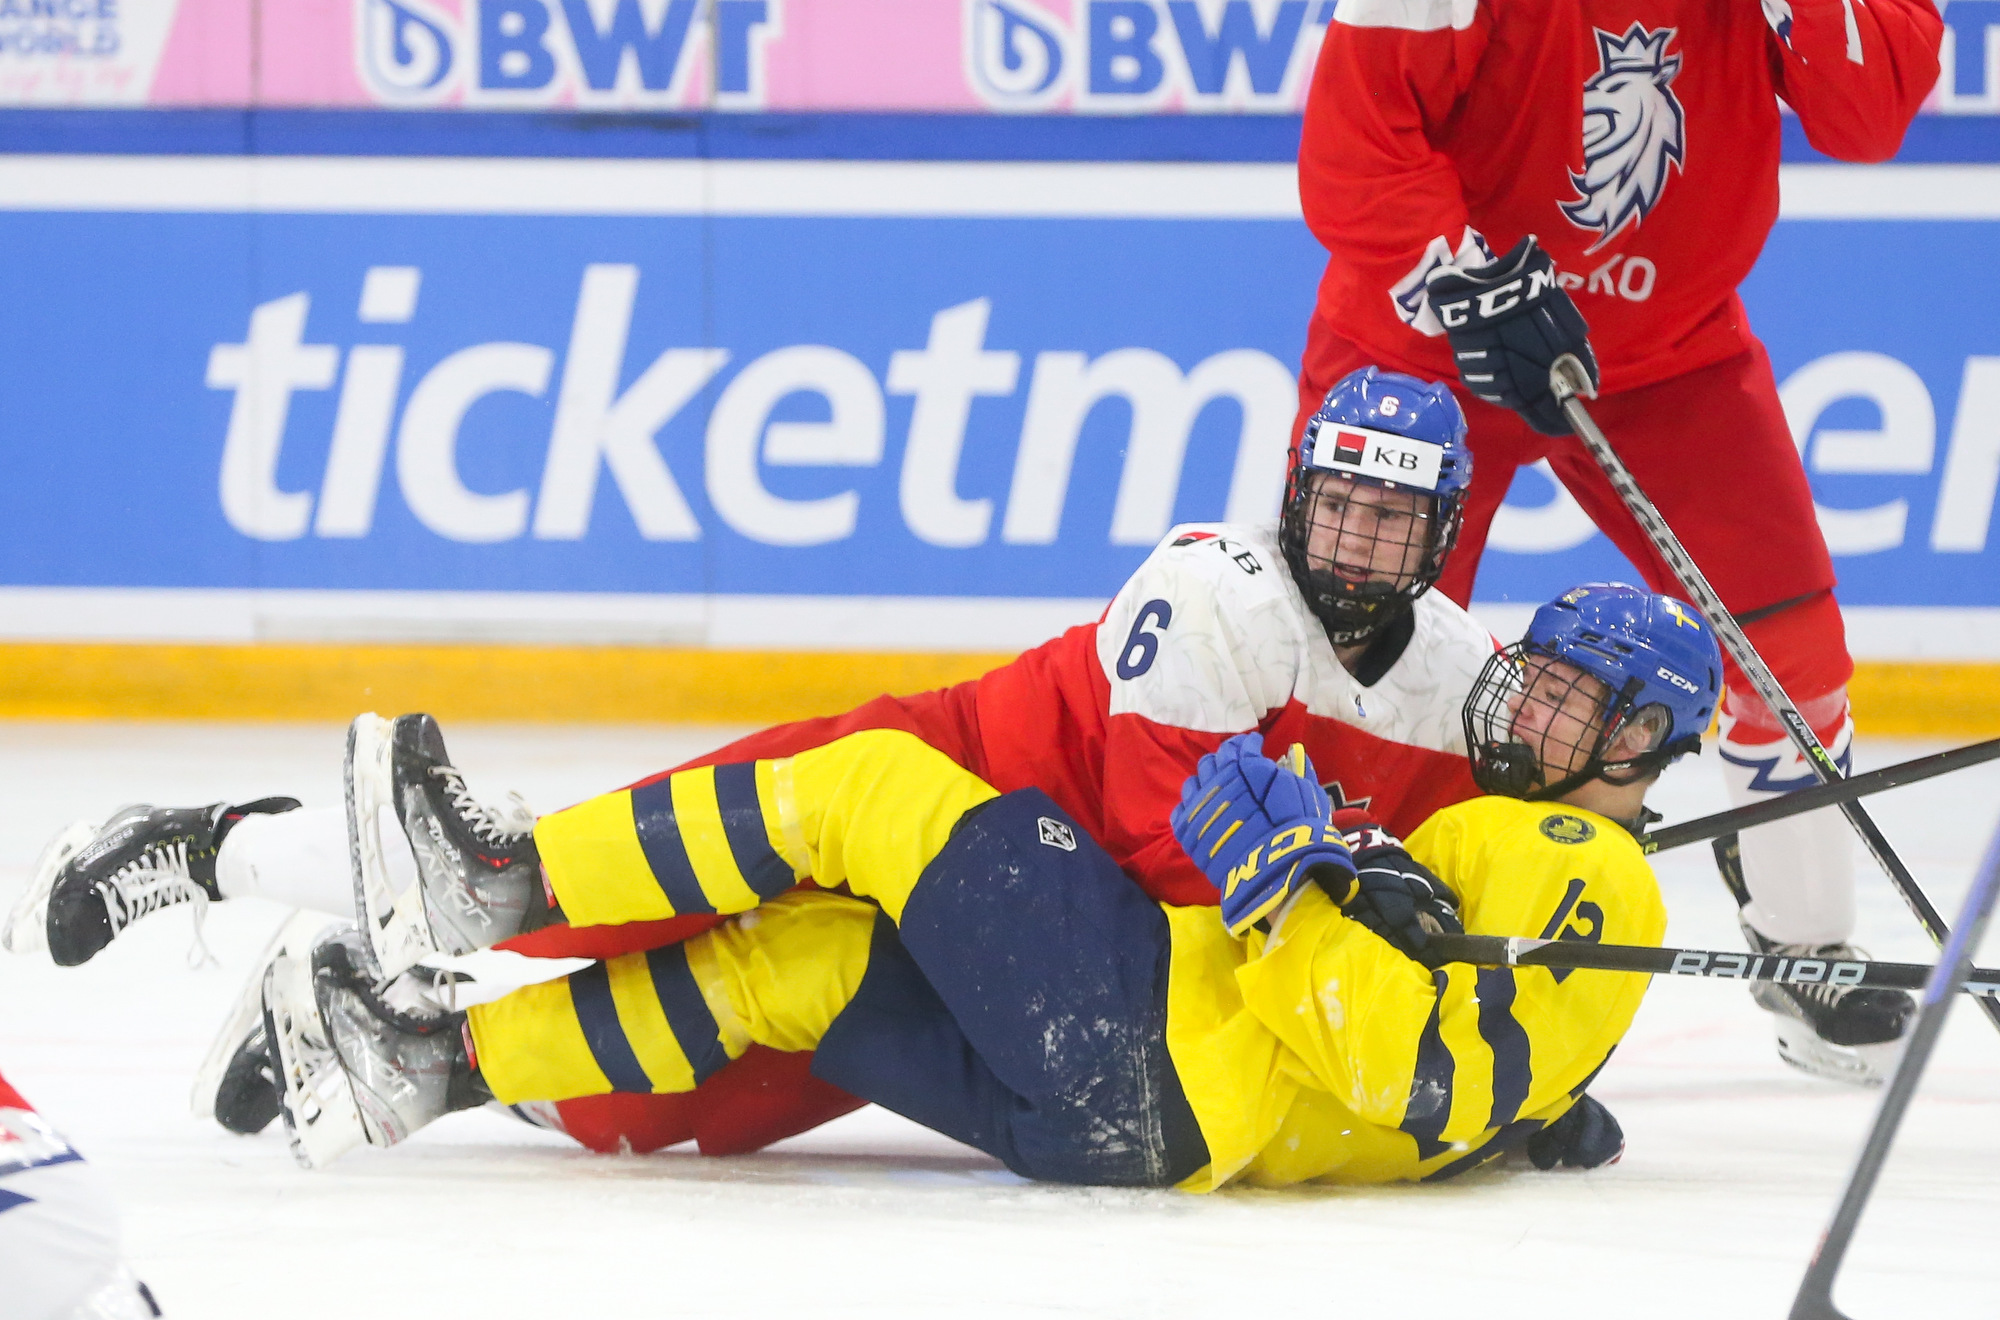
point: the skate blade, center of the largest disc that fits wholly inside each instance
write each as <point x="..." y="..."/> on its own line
<point x="399" y="932"/>
<point x="296" y="938"/>
<point x="320" y="1109"/>
<point x="1856" y="1065"/>
<point x="27" y="928"/>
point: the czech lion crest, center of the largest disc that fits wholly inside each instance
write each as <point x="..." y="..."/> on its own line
<point x="1633" y="132"/>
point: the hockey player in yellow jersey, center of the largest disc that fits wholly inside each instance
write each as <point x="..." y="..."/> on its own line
<point x="991" y="974"/>
<point x="1445" y="1068"/>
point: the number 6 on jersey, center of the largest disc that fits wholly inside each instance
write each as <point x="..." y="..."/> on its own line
<point x="1143" y="647"/>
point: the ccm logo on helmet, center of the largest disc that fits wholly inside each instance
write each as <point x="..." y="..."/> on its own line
<point x="1379" y="454"/>
<point x="1676" y="680"/>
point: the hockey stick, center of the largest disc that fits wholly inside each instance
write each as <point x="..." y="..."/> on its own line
<point x="1713" y="964"/>
<point x="1913" y="771"/>
<point x="1815" y="1296"/>
<point x="1569" y="381"/>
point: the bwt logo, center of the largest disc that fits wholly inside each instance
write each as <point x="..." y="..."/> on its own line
<point x="648" y="52"/>
<point x="597" y="428"/>
<point x="1970" y="53"/>
<point x="1139" y="54"/>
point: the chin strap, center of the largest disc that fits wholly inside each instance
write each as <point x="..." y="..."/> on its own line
<point x="1631" y="771"/>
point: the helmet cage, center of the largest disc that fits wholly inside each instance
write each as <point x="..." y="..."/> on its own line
<point x="1507" y="764"/>
<point x="1353" y="612"/>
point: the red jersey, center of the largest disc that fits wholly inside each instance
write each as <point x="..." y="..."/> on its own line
<point x="1211" y="638"/>
<point x="1638" y="139"/>
<point x="1208" y="639"/>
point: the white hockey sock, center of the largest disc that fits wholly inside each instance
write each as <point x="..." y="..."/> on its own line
<point x="298" y="858"/>
<point x="1800" y="871"/>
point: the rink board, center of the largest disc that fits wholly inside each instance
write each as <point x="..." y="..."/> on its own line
<point x="792" y="465"/>
<point x="627" y="685"/>
<point x="347" y="396"/>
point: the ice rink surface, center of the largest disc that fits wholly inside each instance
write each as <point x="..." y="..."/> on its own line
<point x="1732" y="1164"/>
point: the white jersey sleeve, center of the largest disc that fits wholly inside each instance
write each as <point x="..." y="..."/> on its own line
<point x="1206" y="635"/>
<point x="59" y="1252"/>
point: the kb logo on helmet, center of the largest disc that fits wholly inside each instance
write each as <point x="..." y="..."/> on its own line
<point x="1382" y="455"/>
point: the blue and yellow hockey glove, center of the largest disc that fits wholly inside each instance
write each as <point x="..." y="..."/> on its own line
<point x="1256" y="827"/>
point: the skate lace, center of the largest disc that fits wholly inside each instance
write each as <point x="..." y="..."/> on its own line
<point x="169" y="869"/>
<point x="444" y="989"/>
<point x="1823" y="992"/>
<point x="502" y="824"/>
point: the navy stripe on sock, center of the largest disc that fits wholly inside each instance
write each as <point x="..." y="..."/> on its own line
<point x="590" y="991"/>
<point x="743" y="826"/>
<point x="1429" y="1107"/>
<point x="687" y="1012"/>
<point x="660" y="840"/>
<point x="1508" y="1041"/>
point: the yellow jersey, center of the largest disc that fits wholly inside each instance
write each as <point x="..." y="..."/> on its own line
<point x="1319" y="1052"/>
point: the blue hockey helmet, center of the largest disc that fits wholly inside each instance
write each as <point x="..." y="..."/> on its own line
<point x="1360" y="558"/>
<point x="1610" y="681"/>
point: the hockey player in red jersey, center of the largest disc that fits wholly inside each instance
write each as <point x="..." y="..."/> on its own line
<point x="1623" y="155"/>
<point x="1319" y="631"/>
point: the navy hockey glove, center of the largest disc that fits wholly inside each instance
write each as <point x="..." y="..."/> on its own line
<point x="1258" y="828"/>
<point x="1584" y="1138"/>
<point x="1508" y="322"/>
<point x="1392" y="893"/>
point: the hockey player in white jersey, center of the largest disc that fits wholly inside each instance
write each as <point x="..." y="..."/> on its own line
<point x="1319" y="630"/>
<point x="59" y="1250"/>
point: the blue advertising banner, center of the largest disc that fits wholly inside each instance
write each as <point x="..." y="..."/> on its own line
<point x="993" y="380"/>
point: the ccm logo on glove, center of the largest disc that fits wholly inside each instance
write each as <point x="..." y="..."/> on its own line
<point x="1259" y="829"/>
<point x="1509" y="321"/>
<point x="1492" y="302"/>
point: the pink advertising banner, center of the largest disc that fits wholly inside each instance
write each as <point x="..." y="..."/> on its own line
<point x="1001" y="56"/>
<point x="806" y="55"/>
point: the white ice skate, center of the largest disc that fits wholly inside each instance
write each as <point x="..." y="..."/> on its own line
<point x="27" y="928"/>
<point x="1808" y="1051"/>
<point x="228" y="1086"/>
<point x="360" y="1061"/>
<point x="436" y="872"/>
<point x="144" y="859"/>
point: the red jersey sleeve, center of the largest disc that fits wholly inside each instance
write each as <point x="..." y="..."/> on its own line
<point x="1145" y="767"/>
<point x="1200" y="644"/>
<point x="1855" y="70"/>
<point x="1376" y="191"/>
